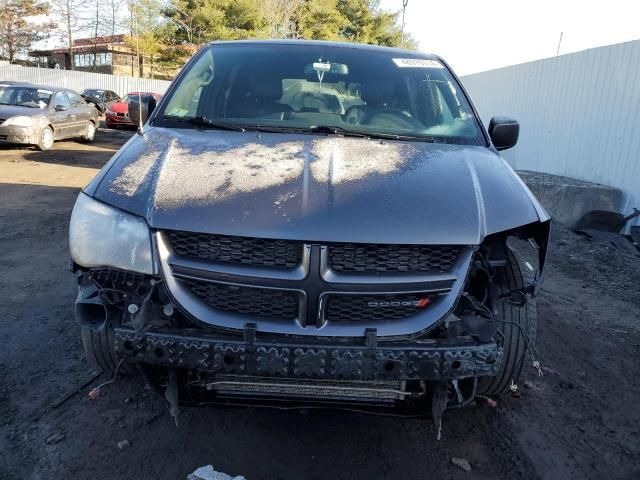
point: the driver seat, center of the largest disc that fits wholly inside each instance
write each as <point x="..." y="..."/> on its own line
<point x="264" y="98"/>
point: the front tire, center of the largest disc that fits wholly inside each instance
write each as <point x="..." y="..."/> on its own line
<point x="45" y="142"/>
<point x="89" y="133"/>
<point x="100" y="350"/>
<point x="512" y="321"/>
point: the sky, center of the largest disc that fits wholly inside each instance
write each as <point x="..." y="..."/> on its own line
<point x="474" y="36"/>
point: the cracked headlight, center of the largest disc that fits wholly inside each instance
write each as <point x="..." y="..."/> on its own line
<point x="102" y="236"/>
<point x="19" y="121"/>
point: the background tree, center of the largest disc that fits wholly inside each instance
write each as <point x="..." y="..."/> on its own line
<point x="17" y="30"/>
<point x="320" y="20"/>
<point x="145" y="25"/>
<point x="200" y="21"/>
<point x="279" y="17"/>
<point x="366" y="23"/>
<point x="114" y="16"/>
<point x="69" y="22"/>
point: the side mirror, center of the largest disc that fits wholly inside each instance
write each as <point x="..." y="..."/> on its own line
<point x="61" y="108"/>
<point x="141" y="108"/>
<point x="504" y="132"/>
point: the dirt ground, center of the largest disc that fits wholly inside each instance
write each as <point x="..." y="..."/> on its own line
<point x="580" y="420"/>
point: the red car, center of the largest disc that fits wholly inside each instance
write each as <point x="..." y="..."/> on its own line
<point x="118" y="112"/>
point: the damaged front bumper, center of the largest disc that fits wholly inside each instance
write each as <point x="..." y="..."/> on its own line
<point x="14" y="134"/>
<point x="361" y="360"/>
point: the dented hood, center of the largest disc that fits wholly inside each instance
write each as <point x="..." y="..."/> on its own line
<point x="314" y="187"/>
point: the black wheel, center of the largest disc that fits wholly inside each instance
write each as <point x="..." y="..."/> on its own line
<point x="99" y="349"/>
<point x="513" y="320"/>
<point x="45" y="142"/>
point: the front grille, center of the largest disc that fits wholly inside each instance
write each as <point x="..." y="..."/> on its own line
<point x="258" y="252"/>
<point x="356" y="308"/>
<point x="374" y="258"/>
<point x="259" y="302"/>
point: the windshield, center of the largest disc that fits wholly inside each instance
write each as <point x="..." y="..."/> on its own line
<point x="25" y="96"/>
<point x="94" y="93"/>
<point x="325" y="88"/>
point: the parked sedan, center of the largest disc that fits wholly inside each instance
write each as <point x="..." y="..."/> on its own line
<point x="39" y="115"/>
<point x="118" y="113"/>
<point x="100" y="99"/>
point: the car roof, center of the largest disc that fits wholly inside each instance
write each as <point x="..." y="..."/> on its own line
<point x="357" y="46"/>
<point x="44" y="87"/>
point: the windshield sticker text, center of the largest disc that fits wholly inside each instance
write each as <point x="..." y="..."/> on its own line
<point x="417" y="63"/>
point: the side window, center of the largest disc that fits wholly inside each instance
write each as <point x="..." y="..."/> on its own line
<point x="61" y="100"/>
<point x="75" y="99"/>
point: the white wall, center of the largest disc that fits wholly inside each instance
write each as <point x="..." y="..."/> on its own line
<point x="579" y="115"/>
<point x="80" y="80"/>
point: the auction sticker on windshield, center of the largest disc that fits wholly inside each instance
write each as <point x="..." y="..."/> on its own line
<point x="417" y="63"/>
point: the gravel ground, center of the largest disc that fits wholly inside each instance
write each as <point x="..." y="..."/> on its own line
<point x="580" y="420"/>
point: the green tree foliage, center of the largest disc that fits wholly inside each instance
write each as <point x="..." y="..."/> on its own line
<point x="365" y="23"/>
<point x="199" y="21"/>
<point x="17" y="31"/>
<point x="191" y="23"/>
<point x="320" y="20"/>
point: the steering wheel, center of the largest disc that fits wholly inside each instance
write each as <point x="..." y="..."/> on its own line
<point x="396" y="114"/>
<point x="355" y="115"/>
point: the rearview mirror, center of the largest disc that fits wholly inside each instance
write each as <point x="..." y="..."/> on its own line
<point x="320" y="68"/>
<point x="504" y="132"/>
<point x="141" y="107"/>
<point x="60" y="108"/>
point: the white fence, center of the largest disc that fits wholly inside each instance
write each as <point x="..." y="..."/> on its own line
<point x="80" y="80"/>
<point x="579" y="114"/>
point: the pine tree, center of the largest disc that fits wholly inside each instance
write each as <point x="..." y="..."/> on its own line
<point x="17" y="31"/>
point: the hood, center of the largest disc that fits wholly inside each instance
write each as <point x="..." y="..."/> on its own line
<point x="8" y="111"/>
<point x="91" y="97"/>
<point x="316" y="188"/>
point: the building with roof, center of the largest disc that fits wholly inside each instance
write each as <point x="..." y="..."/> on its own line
<point x="104" y="54"/>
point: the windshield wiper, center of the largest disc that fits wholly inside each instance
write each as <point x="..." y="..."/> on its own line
<point x="332" y="130"/>
<point x="203" y="121"/>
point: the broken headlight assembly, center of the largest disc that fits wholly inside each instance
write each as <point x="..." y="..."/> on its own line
<point x="102" y="236"/>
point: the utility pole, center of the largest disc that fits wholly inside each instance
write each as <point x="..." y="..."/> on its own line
<point x="559" y="43"/>
<point x="404" y="7"/>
